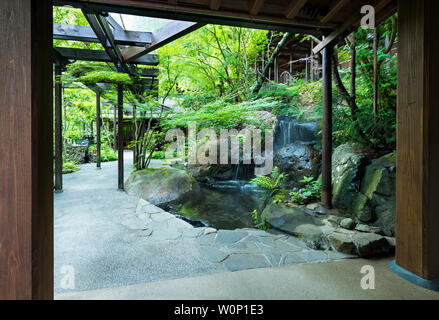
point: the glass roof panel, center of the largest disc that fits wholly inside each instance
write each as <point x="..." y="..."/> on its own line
<point x="138" y="23"/>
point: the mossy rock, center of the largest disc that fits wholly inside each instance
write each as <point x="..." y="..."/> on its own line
<point x="160" y="185"/>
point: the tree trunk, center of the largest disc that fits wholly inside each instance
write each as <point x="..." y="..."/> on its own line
<point x="375" y="71"/>
<point x="260" y="80"/>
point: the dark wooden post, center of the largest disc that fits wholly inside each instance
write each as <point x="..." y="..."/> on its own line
<point x="98" y="129"/>
<point x="58" y="129"/>
<point x="312" y="61"/>
<point x="417" y="200"/>
<point x="327" y="128"/>
<point x="114" y="127"/>
<point x="120" y="135"/>
<point x="26" y="144"/>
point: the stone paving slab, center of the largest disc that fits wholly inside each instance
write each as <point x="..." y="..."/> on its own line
<point x="238" y="249"/>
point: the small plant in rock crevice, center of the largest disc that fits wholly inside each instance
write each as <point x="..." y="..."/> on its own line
<point x="259" y="223"/>
<point x="310" y="192"/>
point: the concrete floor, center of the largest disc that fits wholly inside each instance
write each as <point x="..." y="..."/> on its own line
<point x="92" y="241"/>
<point x="326" y="281"/>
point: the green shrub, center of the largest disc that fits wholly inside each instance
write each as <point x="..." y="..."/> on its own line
<point x="107" y="153"/>
<point x="310" y="192"/>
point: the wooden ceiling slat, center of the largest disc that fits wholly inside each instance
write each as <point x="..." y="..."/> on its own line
<point x="215" y="4"/>
<point x="255" y="6"/>
<point x="294" y="7"/>
<point x="334" y="10"/>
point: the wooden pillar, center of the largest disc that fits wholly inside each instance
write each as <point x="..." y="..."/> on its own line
<point x="120" y="135"/>
<point x="98" y="129"/>
<point x="417" y="200"/>
<point x="306" y="69"/>
<point x="312" y="61"/>
<point x="58" y="129"/>
<point x="26" y="144"/>
<point x="114" y="127"/>
<point x="327" y="128"/>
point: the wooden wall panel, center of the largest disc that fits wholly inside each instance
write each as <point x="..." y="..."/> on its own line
<point x="26" y="182"/>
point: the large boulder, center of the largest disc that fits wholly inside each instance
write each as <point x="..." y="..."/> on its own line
<point x="379" y="186"/>
<point x="347" y="169"/>
<point x="364" y="189"/>
<point x="298" y="222"/>
<point x="160" y="186"/>
<point x="298" y="161"/>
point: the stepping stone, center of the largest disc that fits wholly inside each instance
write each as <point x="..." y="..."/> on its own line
<point x="213" y="254"/>
<point x="245" y="261"/>
<point x="296" y="242"/>
<point x="266" y="241"/>
<point x="162" y="216"/>
<point x="342" y="243"/>
<point x="178" y="224"/>
<point x="334" y="255"/>
<point x="273" y="255"/>
<point x="255" y="232"/>
<point x="192" y="233"/>
<point x="165" y="234"/>
<point x="314" y="256"/>
<point x="225" y="237"/>
<point x="294" y="258"/>
<point x="209" y="230"/>
<point x="207" y="239"/>
<point x="244" y="247"/>
<point x="135" y="223"/>
<point x="284" y="246"/>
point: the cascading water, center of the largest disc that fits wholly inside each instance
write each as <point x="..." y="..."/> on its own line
<point x="227" y="199"/>
<point x="290" y="131"/>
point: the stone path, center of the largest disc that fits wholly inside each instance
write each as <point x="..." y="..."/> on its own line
<point x="234" y="249"/>
<point x="111" y="239"/>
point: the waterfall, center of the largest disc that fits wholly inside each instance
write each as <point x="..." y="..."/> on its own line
<point x="290" y="131"/>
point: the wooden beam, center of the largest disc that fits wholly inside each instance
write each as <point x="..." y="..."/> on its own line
<point x="120" y="136"/>
<point x="338" y="32"/>
<point x="164" y="10"/>
<point x="162" y="36"/>
<point x="417" y="201"/>
<point x="294" y="8"/>
<point x="110" y="37"/>
<point x="58" y="129"/>
<point x="215" y="4"/>
<point x="26" y="144"/>
<point x="98" y="129"/>
<point x="255" y="6"/>
<point x="102" y="56"/>
<point x="115" y="24"/>
<point x="339" y="4"/>
<point x="353" y="20"/>
<point x="327" y="128"/>
<point x="86" y="34"/>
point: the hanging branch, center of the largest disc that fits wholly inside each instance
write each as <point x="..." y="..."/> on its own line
<point x="261" y="77"/>
<point x="355" y="111"/>
<point x="393" y="35"/>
